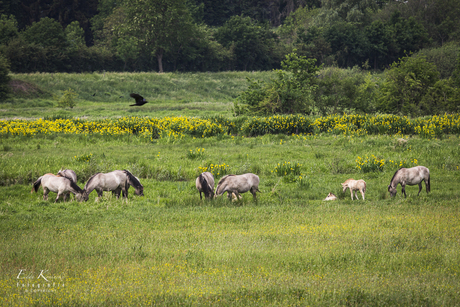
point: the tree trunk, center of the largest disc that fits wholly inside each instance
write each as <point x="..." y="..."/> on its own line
<point x="160" y="60"/>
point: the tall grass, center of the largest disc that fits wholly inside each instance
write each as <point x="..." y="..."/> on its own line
<point x="288" y="248"/>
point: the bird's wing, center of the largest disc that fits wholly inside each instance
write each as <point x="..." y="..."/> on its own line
<point x="137" y="97"/>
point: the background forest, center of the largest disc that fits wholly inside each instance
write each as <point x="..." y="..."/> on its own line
<point x="350" y="41"/>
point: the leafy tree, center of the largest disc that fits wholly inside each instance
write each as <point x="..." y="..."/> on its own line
<point x="252" y="43"/>
<point x="68" y="99"/>
<point x="8" y="28"/>
<point x="290" y="93"/>
<point x="4" y="78"/>
<point x="349" y="44"/>
<point x="379" y="38"/>
<point x="339" y="91"/>
<point x="45" y="33"/>
<point x="408" y="36"/>
<point x="406" y="83"/>
<point x="161" y="26"/>
<point x="442" y="97"/>
<point x="75" y="35"/>
<point x="355" y="11"/>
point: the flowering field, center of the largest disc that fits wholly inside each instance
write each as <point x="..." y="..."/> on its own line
<point x="288" y="248"/>
<point x="177" y="127"/>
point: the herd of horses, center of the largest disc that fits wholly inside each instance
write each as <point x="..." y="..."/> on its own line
<point x="119" y="181"/>
<point x="65" y="182"/>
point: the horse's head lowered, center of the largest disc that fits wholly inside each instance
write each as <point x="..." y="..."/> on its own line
<point x="392" y="190"/>
<point x="134" y="181"/>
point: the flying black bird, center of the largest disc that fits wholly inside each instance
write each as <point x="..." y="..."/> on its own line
<point x="139" y="99"/>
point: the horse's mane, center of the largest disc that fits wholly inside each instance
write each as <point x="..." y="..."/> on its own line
<point x="205" y="186"/>
<point x="395" y="175"/>
<point x="223" y="179"/>
<point x="133" y="179"/>
<point x="90" y="179"/>
<point x="74" y="185"/>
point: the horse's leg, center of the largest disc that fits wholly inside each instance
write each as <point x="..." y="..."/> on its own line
<point x="419" y="188"/>
<point x="253" y="192"/>
<point x="99" y="194"/>
<point x="351" y="194"/>
<point x="57" y="197"/>
<point x="362" y="193"/>
<point x="45" y="193"/>
<point x="403" y="190"/>
<point x="201" y="196"/>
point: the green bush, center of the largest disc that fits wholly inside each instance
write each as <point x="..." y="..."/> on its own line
<point x="290" y="93"/>
<point x="406" y="82"/>
<point x="68" y="99"/>
<point x="4" y="78"/>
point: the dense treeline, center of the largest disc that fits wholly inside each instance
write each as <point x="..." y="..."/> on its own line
<point x="327" y="47"/>
<point x="203" y="35"/>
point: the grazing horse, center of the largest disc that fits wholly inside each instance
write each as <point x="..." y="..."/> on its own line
<point x="135" y="183"/>
<point x="330" y="196"/>
<point x="68" y="173"/>
<point x="59" y="185"/>
<point x="410" y="176"/>
<point x="116" y="181"/>
<point x="354" y="186"/>
<point x="205" y="183"/>
<point x="236" y="184"/>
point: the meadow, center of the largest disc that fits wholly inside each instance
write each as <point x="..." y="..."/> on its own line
<point x="288" y="248"/>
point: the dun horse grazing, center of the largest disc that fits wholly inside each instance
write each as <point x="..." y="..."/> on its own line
<point x="410" y="176"/>
<point x="68" y="173"/>
<point x="236" y="184"/>
<point x="205" y="183"/>
<point x="330" y="196"/>
<point x="59" y="185"/>
<point x="354" y="186"/>
<point x="116" y="181"/>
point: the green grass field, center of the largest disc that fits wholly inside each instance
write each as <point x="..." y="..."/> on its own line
<point x="169" y="248"/>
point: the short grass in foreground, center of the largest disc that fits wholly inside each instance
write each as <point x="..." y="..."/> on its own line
<point x="289" y="248"/>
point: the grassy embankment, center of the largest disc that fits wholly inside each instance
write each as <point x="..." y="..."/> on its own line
<point x="102" y="95"/>
<point x="288" y="248"/>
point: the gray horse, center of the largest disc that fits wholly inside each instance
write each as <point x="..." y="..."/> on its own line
<point x="68" y="173"/>
<point x="59" y="185"/>
<point x="238" y="184"/>
<point x="116" y="181"/>
<point x="205" y="183"/>
<point x="410" y="176"/>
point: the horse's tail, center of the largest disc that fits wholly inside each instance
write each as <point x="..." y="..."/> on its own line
<point x="36" y="185"/>
<point x="208" y="191"/>
<point x="428" y="184"/>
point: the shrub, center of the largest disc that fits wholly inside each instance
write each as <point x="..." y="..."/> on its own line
<point x="4" y="78"/>
<point x="68" y="99"/>
<point x="290" y="93"/>
<point x="407" y="81"/>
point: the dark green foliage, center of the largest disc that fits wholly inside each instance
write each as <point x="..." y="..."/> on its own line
<point x="445" y="58"/>
<point x="46" y="33"/>
<point x="8" y="28"/>
<point x="4" y="78"/>
<point x="339" y="90"/>
<point x="406" y="83"/>
<point x="253" y="43"/>
<point x="348" y="43"/>
<point x="442" y="97"/>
